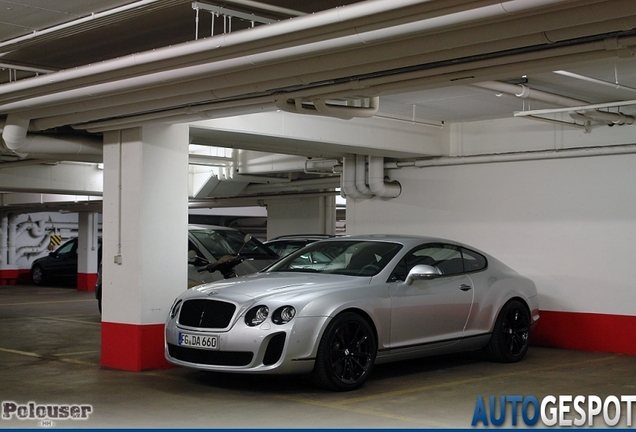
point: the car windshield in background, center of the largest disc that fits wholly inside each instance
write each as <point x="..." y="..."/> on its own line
<point x="351" y="258"/>
<point x="229" y="242"/>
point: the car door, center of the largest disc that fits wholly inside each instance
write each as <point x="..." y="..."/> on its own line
<point x="63" y="265"/>
<point x="430" y="310"/>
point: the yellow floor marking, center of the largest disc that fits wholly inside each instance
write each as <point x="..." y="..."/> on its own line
<point x="46" y="302"/>
<point x="70" y="320"/>
<point x="64" y="360"/>
<point x="23" y="353"/>
<point x="472" y="380"/>
<point x="76" y="353"/>
<point x="79" y="362"/>
<point x="343" y="405"/>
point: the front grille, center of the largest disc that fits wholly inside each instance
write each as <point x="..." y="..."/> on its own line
<point x="274" y="349"/>
<point x="208" y="357"/>
<point x="204" y="313"/>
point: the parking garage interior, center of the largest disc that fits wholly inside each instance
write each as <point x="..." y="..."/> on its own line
<point x="505" y="125"/>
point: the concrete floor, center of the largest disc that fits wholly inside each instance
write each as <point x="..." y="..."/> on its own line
<point x="50" y="350"/>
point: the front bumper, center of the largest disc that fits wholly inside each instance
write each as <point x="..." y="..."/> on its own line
<point x="268" y="348"/>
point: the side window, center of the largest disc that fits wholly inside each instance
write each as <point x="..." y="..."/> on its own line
<point x="446" y="258"/>
<point x="473" y="261"/>
<point x="68" y="249"/>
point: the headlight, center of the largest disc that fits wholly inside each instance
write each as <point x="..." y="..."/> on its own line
<point x="256" y="315"/>
<point x="283" y="315"/>
<point x="174" y="310"/>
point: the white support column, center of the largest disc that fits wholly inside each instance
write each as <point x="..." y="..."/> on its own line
<point x="144" y="231"/>
<point x="87" y="251"/>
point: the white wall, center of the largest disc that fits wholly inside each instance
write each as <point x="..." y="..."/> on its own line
<point x="569" y="224"/>
<point x="310" y="215"/>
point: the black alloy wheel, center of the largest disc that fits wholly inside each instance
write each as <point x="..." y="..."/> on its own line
<point x="346" y="353"/>
<point x="511" y="335"/>
<point x="37" y="275"/>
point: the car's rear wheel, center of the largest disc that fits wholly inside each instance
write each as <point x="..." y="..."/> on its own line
<point x="37" y="275"/>
<point x="511" y="335"/>
<point x="346" y="353"/>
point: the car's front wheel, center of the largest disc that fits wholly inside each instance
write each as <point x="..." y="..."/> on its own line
<point x="37" y="275"/>
<point x="511" y="335"/>
<point x="346" y="353"/>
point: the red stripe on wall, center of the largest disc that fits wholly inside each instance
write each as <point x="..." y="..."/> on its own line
<point x="86" y="281"/>
<point x="586" y="332"/>
<point x="9" y="277"/>
<point x="133" y="347"/>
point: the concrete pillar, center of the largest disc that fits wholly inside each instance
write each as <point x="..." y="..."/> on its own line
<point x="144" y="231"/>
<point x="309" y="215"/>
<point x="87" y="251"/>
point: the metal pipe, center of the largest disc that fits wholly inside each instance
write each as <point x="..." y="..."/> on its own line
<point x="348" y="187"/>
<point x="377" y="184"/>
<point x="150" y="77"/>
<point x="361" y="175"/>
<point x="516" y="157"/>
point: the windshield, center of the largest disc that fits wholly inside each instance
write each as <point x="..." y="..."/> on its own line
<point x="229" y="242"/>
<point x="351" y="258"/>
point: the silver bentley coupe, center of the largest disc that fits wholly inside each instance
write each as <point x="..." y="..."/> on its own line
<point x="336" y="307"/>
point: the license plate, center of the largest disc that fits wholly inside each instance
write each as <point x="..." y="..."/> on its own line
<point x="197" y="341"/>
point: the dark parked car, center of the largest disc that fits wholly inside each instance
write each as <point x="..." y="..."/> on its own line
<point x="59" y="266"/>
<point x="217" y="253"/>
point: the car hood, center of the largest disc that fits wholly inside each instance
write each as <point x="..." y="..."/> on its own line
<point x="278" y="284"/>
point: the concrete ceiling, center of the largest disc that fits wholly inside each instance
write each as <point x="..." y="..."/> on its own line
<point x="592" y="40"/>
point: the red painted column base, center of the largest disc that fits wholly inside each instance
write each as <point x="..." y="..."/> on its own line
<point x="9" y="277"/>
<point x="133" y="347"/>
<point x="86" y="281"/>
<point x="586" y="332"/>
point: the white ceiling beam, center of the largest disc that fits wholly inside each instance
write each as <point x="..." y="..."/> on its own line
<point x="281" y="132"/>
<point x="63" y="178"/>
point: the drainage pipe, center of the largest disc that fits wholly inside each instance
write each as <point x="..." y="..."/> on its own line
<point x="149" y="77"/>
<point x="516" y="157"/>
<point x="33" y="250"/>
<point x="377" y="184"/>
<point x="525" y="92"/>
<point x="348" y="187"/>
<point x="176" y="55"/>
<point x="14" y="133"/>
<point x="36" y="229"/>
<point x="361" y="176"/>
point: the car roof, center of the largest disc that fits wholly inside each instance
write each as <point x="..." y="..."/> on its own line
<point x="302" y="237"/>
<point x="407" y="240"/>
<point x="195" y="227"/>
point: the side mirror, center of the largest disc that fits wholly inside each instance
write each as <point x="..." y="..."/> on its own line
<point x="422" y="271"/>
<point x="192" y="255"/>
<point x="247" y="238"/>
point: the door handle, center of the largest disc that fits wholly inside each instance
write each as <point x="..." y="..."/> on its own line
<point x="465" y="287"/>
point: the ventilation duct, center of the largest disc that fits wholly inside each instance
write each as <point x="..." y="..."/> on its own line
<point x="75" y="147"/>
